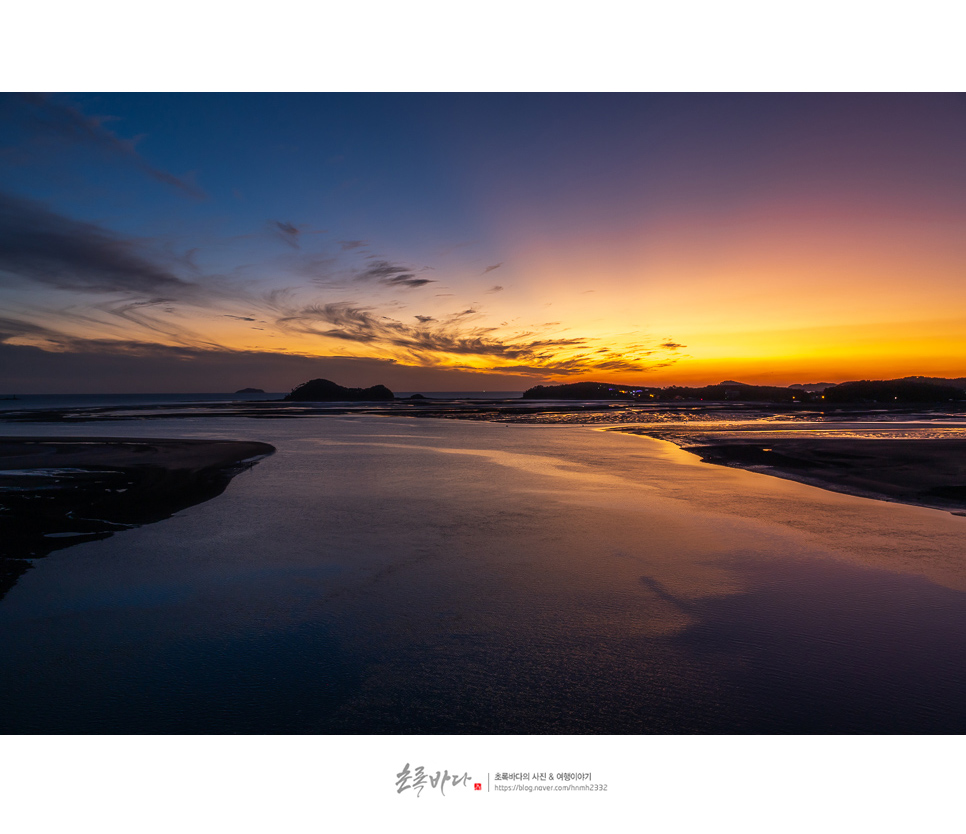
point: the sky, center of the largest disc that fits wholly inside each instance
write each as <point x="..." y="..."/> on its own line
<point x="441" y="242"/>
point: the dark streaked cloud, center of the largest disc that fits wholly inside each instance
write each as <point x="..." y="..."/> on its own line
<point x="55" y="119"/>
<point x="410" y="281"/>
<point x="426" y="342"/>
<point x="430" y="343"/>
<point x="347" y="321"/>
<point x="491" y="268"/>
<point x="14" y="328"/>
<point x="349" y="245"/>
<point x="139" y="289"/>
<point x="495" y="288"/>
<point x="287" y="232"/>
<point x="48" y="339"/>
<point x="152" y="328"/>
<point x="39" y="245"/>
<point x="392" y="275"/>
<point x="380" y="270"/>
<point x="584" y="365"/>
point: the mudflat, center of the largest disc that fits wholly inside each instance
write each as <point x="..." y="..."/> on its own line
<point x="927" y="472"/>
<point x="93" y="453"/>
<point x="57" y="492"/>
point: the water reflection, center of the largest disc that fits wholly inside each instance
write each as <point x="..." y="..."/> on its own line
<point x="383" y="575"/>
<point x="56" y="494"/>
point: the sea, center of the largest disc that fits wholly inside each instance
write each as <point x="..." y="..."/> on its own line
<point x="383" y="574"/>
<point x="22" y="402"/>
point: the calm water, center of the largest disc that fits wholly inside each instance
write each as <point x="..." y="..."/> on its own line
<point x="383" y="575"/>
<point x="58" y="401"/>
<point x="62" y="401"/>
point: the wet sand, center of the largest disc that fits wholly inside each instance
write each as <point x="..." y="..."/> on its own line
<point x="57" y="492"/>
<point x="927" y="472"/>
<point x="93" y="453"/>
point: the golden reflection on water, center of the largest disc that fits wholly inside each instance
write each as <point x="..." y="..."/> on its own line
<point x="392" y="575"/>
<point x="763" y="429"/>
<point x="870" y="532"/>
<point x="648" y="526"/>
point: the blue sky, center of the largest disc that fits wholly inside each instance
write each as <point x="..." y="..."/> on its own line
<point x="472" y="241"/>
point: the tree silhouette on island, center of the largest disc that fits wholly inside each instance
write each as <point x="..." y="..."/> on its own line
<point x="324" y="390"/>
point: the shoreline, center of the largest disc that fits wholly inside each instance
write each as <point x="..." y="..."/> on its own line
<point x="56" y="492"/>
<point x="922" y="472"/>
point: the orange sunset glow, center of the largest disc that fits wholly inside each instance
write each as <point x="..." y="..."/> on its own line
<point x="652" y="240"/>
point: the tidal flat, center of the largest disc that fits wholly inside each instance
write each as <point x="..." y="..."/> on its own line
<point x="383" y="574"/>
<point x="59" y="492"/>
<point x="911" y="463"/>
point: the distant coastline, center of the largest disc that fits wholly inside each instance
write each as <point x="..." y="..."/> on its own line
<point x="888" y="393"/>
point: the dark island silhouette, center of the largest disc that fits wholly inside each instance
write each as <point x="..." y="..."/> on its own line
<point x="249" y="391"/>
<point x="324" y="390"/>
<point x="586" y="391"/>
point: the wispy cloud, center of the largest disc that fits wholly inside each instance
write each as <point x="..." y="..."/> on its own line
<point x="52" y="118"/>
<point x="112" y="285"/>
<point x="20" y="331"/>
<point x="381" y="270"/>
<point x="392" y="275"/>
<point x="287" y="232"/>
<point x="442" y="341"/>
<point x="410" y="281"/>
<point x="491" y="268"/>
<point x="95" y="280"/>
<point x="15" y="328"/>
<point x="39" y="245"/>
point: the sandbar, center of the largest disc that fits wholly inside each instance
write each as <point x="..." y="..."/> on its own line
<point x="58" y="492"/>
<point x="927" y="472"/>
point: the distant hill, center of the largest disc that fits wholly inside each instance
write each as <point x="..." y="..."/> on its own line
<point x="585" y="391"/>
<point x="893" y="391"/>
<point x="324" y="390"/>
<point x="959" y="382"/>
<point x="249" y="391"/>
<point x="812" y="387"/>
<point x="884" y="392"/>
<point x="730" y="390"/>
